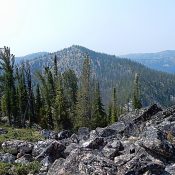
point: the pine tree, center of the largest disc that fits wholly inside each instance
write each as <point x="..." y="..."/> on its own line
<point x="60" y="112"/>
<point x="55" y="68"/>
<point x="22" y="96"/>
<point x="98" y="113"/>
<point x="38" y="105"/>
<point x="48" y="95"/>
<point x="7" y="66"/>
<point x="136" y="94"/>
<point x="70" y="85"/>
<point x="83" y="107"/>
<point x="114" y="107"/>
<point x="31" y="100"/>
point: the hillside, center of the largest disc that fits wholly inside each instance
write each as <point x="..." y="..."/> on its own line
<point x="142" y="142"/>
<point x="162" y="61"/>
<point x="112" y="71"/>
<point x="30" y="56"/>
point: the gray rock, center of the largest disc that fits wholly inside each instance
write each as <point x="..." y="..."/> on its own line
<point x="81" y="162"/>
<point x="83" y="133"/>
<point x="7" y="158"/>
<point x="16" y="146"/>
<point x="24" y="159"/>
<point x="40" y="146"/>
<point x="54" y="151"/>
<point x="138" y="163"/>
<point x="64" y="134"/>
<point x="112" y="149"/>
<point x="3" y="131"/>
<point x="69" y="148"/>
<point x="170" y="169"/>
<point x="56" y="166"/>
<point x="154" y="142"/>
<point x="94" y="143"/>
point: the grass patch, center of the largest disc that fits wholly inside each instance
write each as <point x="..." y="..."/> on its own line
<point x="19" y="169"/>
<point x="20" y="134"/>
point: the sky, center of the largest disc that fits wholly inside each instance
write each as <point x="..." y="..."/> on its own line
<point x="109" y="26"/>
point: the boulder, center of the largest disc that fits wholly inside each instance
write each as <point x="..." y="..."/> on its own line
<point x="94" y="143"/>
<point x="24" y="159"/>
<point x="64" y="134"/>
<point x="83" y="133"/>
<point x="3" y="131"/>
<point x="138" y="163"/>
<point x="16" y="146"/>
<point x="7" y="158"/>
<point x="83" y="162"/>
<point x="54" y="151"/>
<point x="112" y="149"/>
<point x="105" y="132"/>
<point x="170" y="169"/>
<point x="69" y="148"/>
<point x="40" y="146"/>
<point x="155" y="143"/>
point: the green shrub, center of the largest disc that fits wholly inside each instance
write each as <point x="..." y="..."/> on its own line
<point x="20" y="134"/>
<point x="19" y="169"/>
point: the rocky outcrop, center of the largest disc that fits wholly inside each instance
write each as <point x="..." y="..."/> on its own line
<point x="142" y="142"/>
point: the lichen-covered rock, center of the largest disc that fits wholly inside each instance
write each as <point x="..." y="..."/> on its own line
<point x="24" y="159"/>
<point x="94" y="143"/>
<point x="3" y="131"/>
<point x="64" y="134"/>
<point x="112" y="149"/>
<point x="83" y="162"/>
<point x="7" y="158"/>
<point x="54" y="151"/>
<point x="40" y="146"/>
<point x="83" y="133"/>
<point x="16" y="146"/>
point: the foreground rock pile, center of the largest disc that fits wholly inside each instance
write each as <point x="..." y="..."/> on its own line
<point x="140" y="143"/>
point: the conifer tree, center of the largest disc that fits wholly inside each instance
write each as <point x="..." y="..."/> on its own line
<point x="31" y="100"/>
<point x="70" y="85"/>
<point x="7" y="66"/>
<point x="136" y="94"/>
<point x="60" y="112"/>
<point x="98" y="113"/>
<point x="38" y="105"/>
<point x="22" y="96"/>
<point x="114" y="107"/>
<point x="55" y="68"/>
<point x="47" y="95"/>
<point x="83" y="107"/>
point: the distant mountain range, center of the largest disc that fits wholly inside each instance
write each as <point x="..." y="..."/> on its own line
<point x="162" y="61"/>
<point x="30" y="57"/>
<point x="112" y="71"/>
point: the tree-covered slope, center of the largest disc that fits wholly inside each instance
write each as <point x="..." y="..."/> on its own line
<point x="162" y="61"/>
<point x="112" y="71"/>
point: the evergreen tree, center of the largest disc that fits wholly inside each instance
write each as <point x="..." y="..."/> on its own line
<point x="31" y="100"/>
<point x="109" y="113"/>
<point x="98" y="113"/>
<point x="70" y="92"/>
<point x="7" y="66"/>
<point x="83" y="107"/>
<point x="38" y="105"/>
<point x="136" y="95"/>
<point x="47" y="95"/>
<point x="114" y="107"/>
<point x="55" y="68"/>
<point x="60" y="112"/>
<point x="22" y="96"/>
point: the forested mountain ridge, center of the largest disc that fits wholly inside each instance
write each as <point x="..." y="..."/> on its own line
<point x="162" y="61"/>
<point x="112" y="71"/>
<point x="30" y="56"/>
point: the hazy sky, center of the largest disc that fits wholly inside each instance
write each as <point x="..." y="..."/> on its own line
<point x="111" y="26"/>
